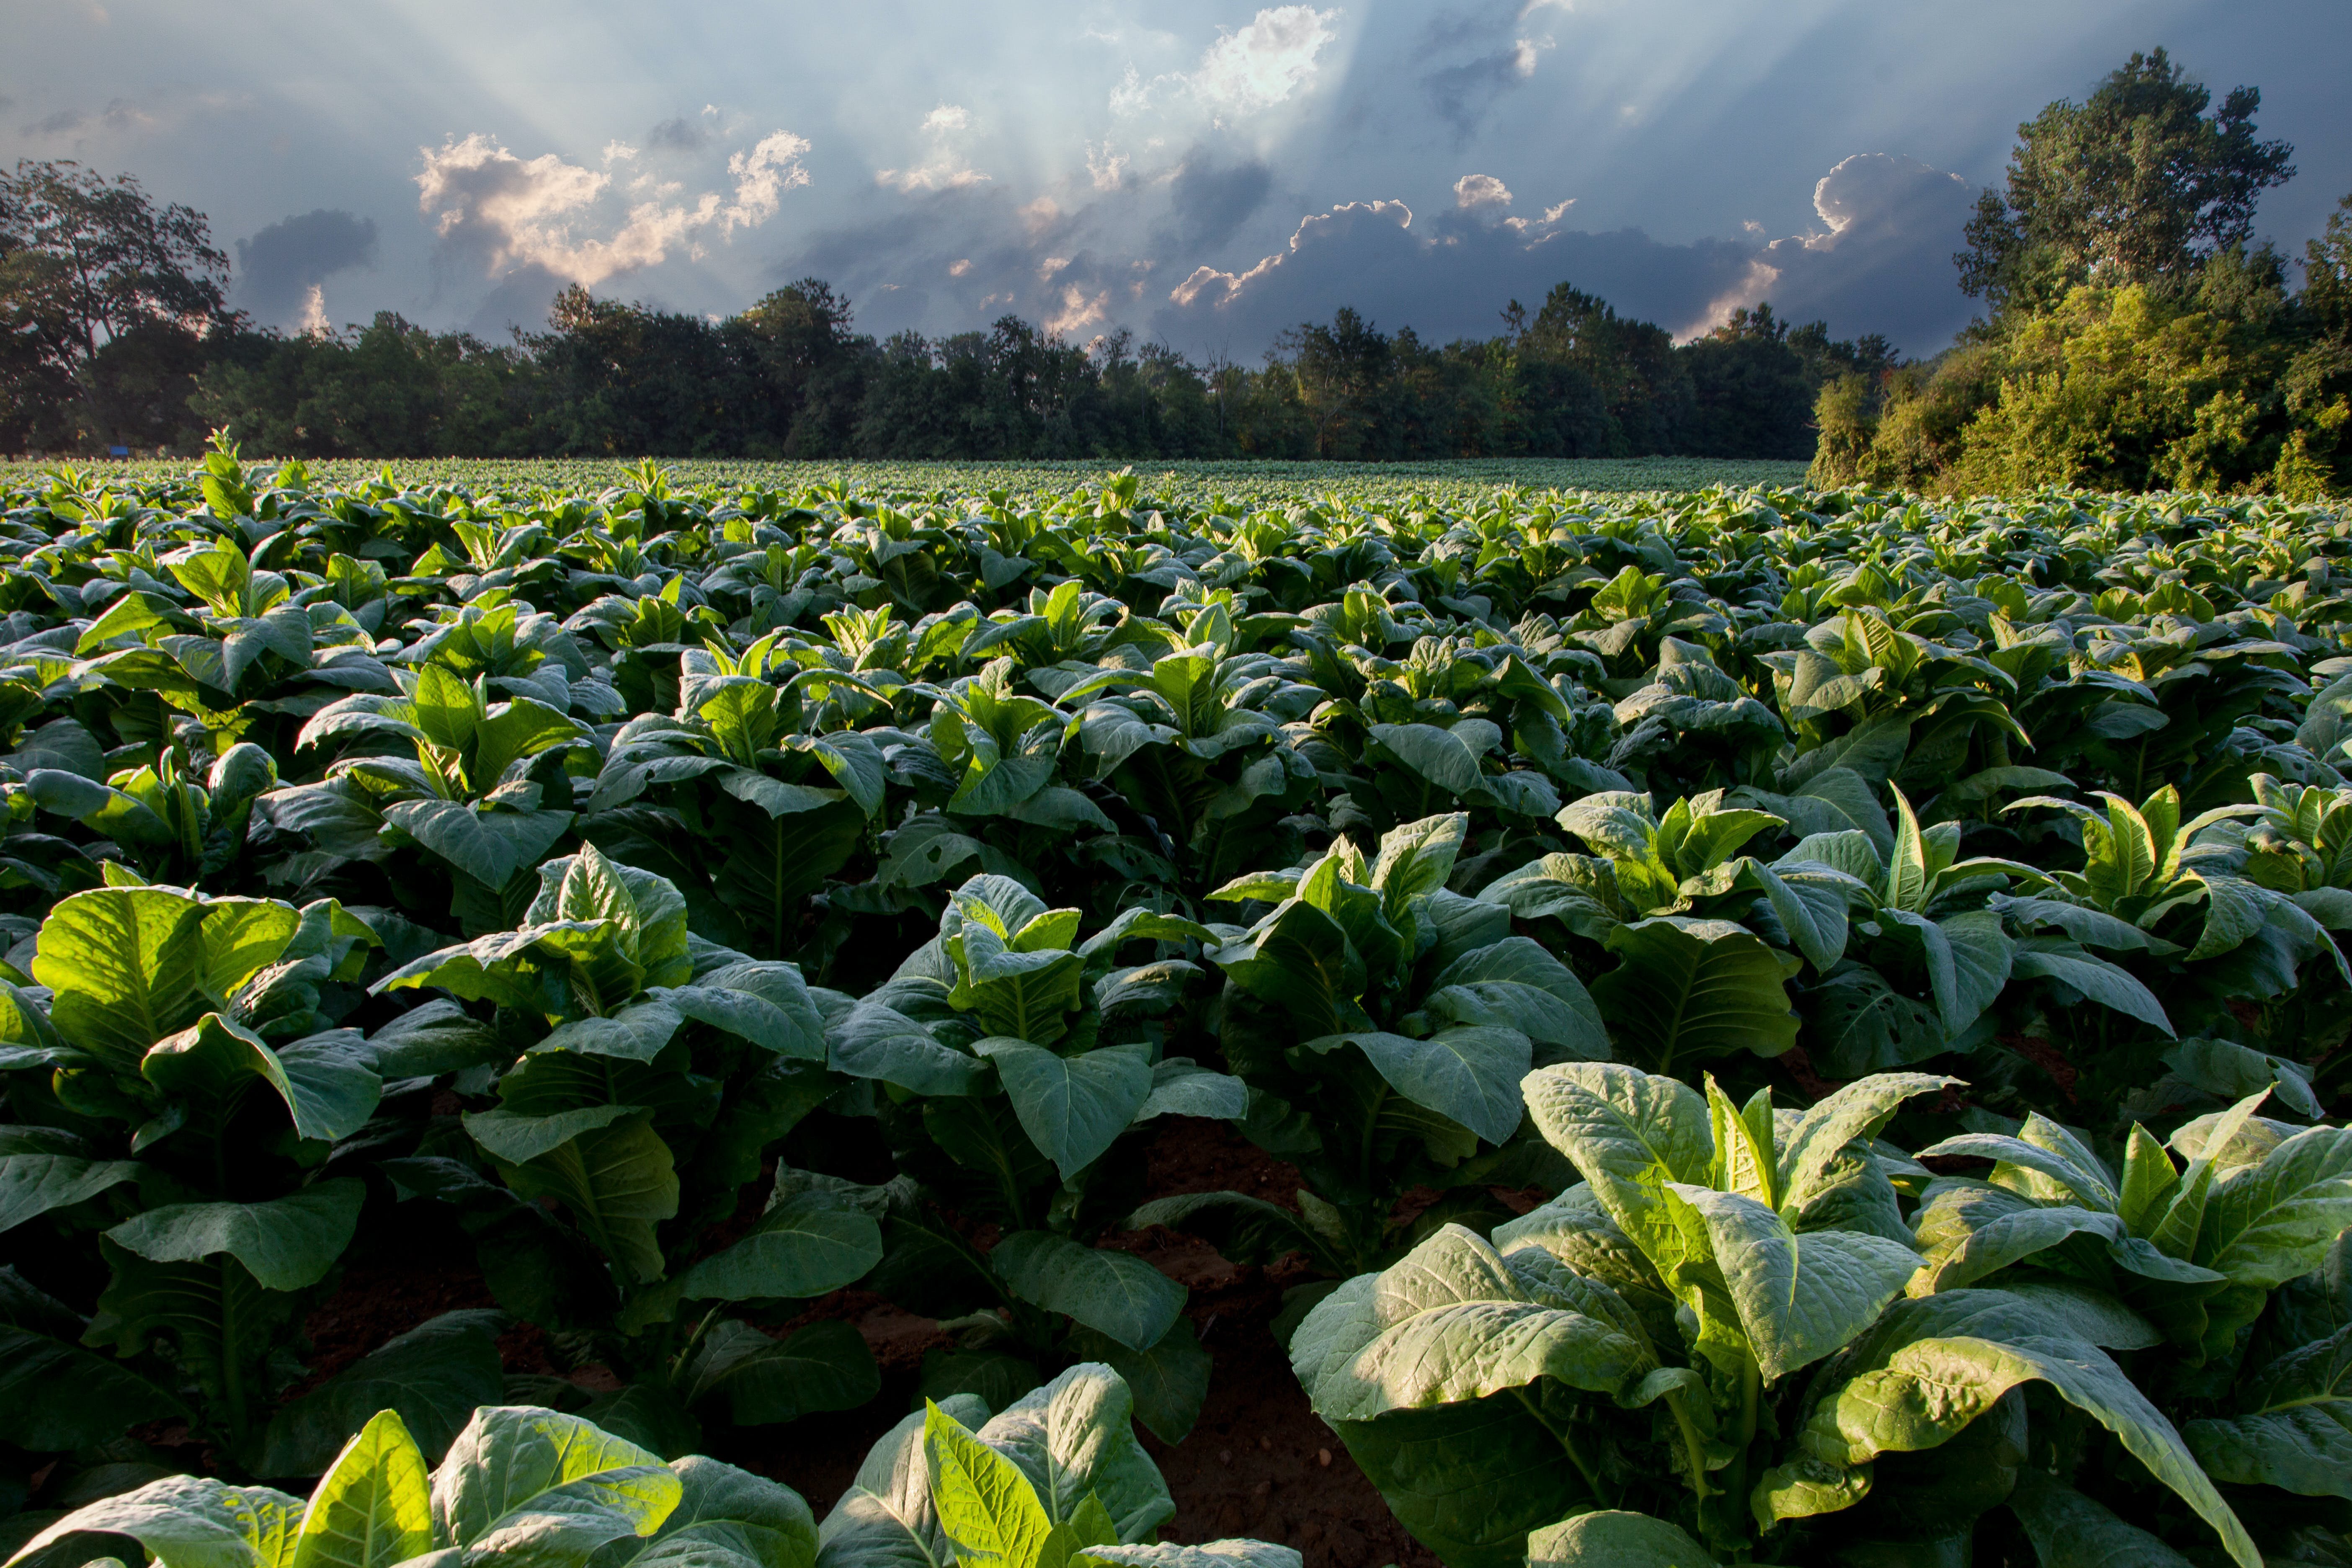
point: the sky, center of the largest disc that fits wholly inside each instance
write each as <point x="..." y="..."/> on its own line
<point x="1201" y="175"/>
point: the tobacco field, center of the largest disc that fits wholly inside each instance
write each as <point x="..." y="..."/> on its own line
<point x="712" y="1021"/>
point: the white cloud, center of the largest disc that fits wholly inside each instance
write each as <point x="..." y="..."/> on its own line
<point x="1255" y="66"/>
<point x="618" y="151"/>
<point x="947" y="168"/>
<point x="1884" y="219"/>
<point x="761" y="177"/>
<point x="958" y="268"/>
<point x="1079" y="310"/>
<point x="313" y="320"/>
<point x="1266" y="60"/>
<point x="1208" y="286"/>
<point x="540" y="212"/>
<point x="1472" y="191"/>
<point x="1106" y="168"/>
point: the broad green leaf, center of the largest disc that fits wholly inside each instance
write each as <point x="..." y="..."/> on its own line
<point x="1073" y="1107"/>
<point x="1630" y="1134"/>
<point x="1515" y="983"/>
<point x="489" y="845"/>
<point x="1856" y="1023"/>
<point x="1800" y="1297"/>
<point x="1468" y="1481"/>
<point x="1181" y="1086"/>
<point x="1074" y="1439"/>
<point x="1169" y="1382"/>
<point x="1113" y="1292"/>
<point x="1690" y="990"/>
<point x="987" y="1508"/>
<point x="756" y="1378"/>
<point x="885" y="1518"/>
<point x="374" y="1506"/>
<point x="1469" y="1074"/>
<point x="728" y="1518"/>
<point x="767" y="1004"/>
<point x="1300" y="961"/>
<point x="1971" y="1231"/>
<point x="125" y="965"/>
<point x="1417" y="858"/>
<point x="803" y="1246"/>
<point x="1440" y="756"/>
<point x="1237" y="1553"/>
<point x="2070" y="1531"/>
<point x="328" y="1082"/>
<point x="518" y="1472"/>
<point x="518" y="1139"/>
<point x="1448" y="1323"/>
<point x="2294" y="1428"/>
<point x="33" y="1184"/>
<point x="191" y="1521"/>
<point x="2270" y="1223"/>
<point x="1608" y="1538"/>
<point x="430" y="1379"/>
<point x="2094" y="978"/>
<point x="1930" y="1366"/>
<point x="56" y="1394"/>
<point x="618" y="1180"/>
<point x="635" y="1033"/>
<point x="2045" y="1150"/>
<point x="1804" y="1156"/>
<point x="2232" y="1071"/>
<point x="286" y="1243"/>
<point x="873" y="1041"/>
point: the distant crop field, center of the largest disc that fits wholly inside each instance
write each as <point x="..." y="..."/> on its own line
<point x="1256" y="482"/>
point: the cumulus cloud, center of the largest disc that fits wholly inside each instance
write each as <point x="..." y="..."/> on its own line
<point x="1266" y="61"/>
<point x="946" y="168"/>
<point x="1255" y="66"/>
<point x="1880" y="262"/>
<point x="1318" y="234"/>
<point x="1473" y="191"/>
<point x="1444" y="261"/>
<point x="761" y="177"/>
<point x="1446" y="277"/>
<point x="281" y="270"/>
<point x="542" y="214"/>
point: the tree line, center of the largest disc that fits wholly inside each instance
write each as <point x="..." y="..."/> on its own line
<point x="121" y="335"/>
<point x="2136" y="336"/>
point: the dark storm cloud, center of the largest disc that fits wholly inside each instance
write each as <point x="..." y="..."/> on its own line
<point x="1208" y="204"/>
<point x="277" y="267"/>
<point x="1446" y="277"/>
<point x="1881" y="264"/>
<point x="678" y="135"/>
<point x="1884" y="264"/>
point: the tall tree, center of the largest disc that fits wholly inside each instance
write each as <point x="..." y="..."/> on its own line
<point x="91" y="269"/>
<point x="2136" y="184"/>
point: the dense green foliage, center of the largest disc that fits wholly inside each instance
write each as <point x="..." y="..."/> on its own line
<point x="1892" y="946"/>
<point x="1055" y="1480"/>
<point x="789" y="379"/>
<point x="2137" y="338"/>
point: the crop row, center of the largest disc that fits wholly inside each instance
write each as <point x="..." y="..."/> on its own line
<point x="1805" y="1023"/>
